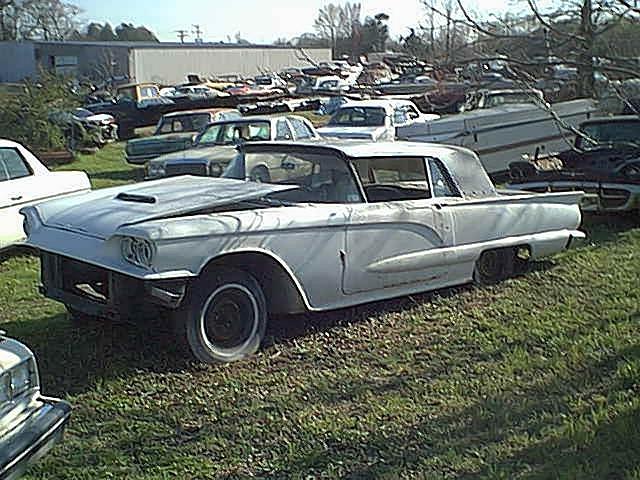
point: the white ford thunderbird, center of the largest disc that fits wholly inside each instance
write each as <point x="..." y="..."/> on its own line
<point x="340" y="224"/>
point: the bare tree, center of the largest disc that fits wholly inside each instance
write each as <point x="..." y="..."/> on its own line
<point x="336" y="22"/>
<point x="43" y="19"/>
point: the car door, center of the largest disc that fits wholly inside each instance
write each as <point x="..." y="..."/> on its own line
<point x="16" y="182"/>
<point x="398" y="241"/>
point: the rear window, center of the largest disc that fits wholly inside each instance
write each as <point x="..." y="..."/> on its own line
<point x="187" y="123"/>
<point x="12" y="165"/>
<point x="610" y="132"/>
<point x="230" y="133"/>
<point x="359" y="117"/>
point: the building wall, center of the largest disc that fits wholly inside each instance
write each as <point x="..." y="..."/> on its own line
<point x="172" y="65"/>
<point x="17" y="61"/>
<point x="97" y="62"/>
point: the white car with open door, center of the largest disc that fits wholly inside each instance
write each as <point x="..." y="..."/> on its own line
<point x="23" y="181"/>
<point x="339" y="224"/>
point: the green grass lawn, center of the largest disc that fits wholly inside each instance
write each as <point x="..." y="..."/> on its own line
<point x="536" y="378"/>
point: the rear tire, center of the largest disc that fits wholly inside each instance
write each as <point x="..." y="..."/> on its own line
<point x="494" y="266"/>
<point x="226" y="316"/>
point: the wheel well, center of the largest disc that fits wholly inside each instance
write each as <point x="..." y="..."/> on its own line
<point x="280" y="289"/>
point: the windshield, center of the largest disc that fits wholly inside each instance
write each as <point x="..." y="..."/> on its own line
<point x="321" y="178"/>
<point x="359" y="117"/>
<point x="232" y="132"/>
<point x="610" y="132"/>
<point x="186" y="123"/>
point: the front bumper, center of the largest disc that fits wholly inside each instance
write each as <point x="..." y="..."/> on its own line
<point x="33" y="437"/>
<point x="105" y="293"/>
<point x="141" y="159"/>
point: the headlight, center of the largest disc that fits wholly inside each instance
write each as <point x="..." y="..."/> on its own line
<point x="23" y="377"/>
<point x="215" y="169"/>
<point x="155" y="170"/>
<point x="137" y="251"/>
<point x="18" y="380"/>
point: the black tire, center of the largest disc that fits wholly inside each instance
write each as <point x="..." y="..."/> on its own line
<point x="225" y="316"/>
<point x="494" y="266"/>
<point x="260" y="174"/>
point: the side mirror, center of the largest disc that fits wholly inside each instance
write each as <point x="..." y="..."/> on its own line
<point x="287" y="165"/>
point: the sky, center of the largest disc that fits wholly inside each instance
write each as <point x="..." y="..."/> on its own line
<point x="259" y="21"/>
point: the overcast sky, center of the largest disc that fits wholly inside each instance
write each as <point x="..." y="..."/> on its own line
<point x="259" y="21"/>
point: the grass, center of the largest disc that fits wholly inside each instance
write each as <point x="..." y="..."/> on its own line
<point x="535" y="378"/>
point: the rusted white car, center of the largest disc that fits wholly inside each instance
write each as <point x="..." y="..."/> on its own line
<point x="344" y="224"/>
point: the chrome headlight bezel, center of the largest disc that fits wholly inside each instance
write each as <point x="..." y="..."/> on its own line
<point x="138" y="251"/>
<point x="156" y="169"/>
<point x="19" y="380"/>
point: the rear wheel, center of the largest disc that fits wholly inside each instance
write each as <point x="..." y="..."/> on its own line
<point x="493" y="266"/>
<point x="226" y="316"/>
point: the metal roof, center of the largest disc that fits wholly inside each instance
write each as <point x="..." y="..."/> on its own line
<point x="172" y="45"/>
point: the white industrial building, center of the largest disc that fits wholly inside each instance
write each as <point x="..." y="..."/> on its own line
<point x="163" y="63"/>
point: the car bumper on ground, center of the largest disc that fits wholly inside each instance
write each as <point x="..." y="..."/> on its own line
<point x="33" y="437"/>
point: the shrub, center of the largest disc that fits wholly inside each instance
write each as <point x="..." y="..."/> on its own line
<point x="24" y="116"/>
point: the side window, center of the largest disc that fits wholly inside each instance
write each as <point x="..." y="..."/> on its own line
<point x="443" y="185"/>
<point x="283" y="132"/>
<point x="165" y="127"/>
<point x="177" y="126"/>
<point x="300" y="129"/>
<point x="400" y="116"/>
<point x="12" y="165"/>
<point x="210" y="135"/>
<point x="388" y="179"/>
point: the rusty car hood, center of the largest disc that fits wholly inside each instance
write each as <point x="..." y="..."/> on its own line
<point x="101" y="213"/>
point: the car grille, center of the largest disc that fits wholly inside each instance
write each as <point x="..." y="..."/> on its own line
<point x="186" y="169"/>
<point x="614" y="197"/>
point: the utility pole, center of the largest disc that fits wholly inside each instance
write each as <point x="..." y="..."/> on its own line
<point x="197" y="32"/>
<point x="585" y="58"/>
<point x="182" y="34"/>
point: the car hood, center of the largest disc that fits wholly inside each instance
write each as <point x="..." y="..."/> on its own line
<point x="368" y="133"/>
<point x="200" y="153"/>
<point x="102" y="213"/>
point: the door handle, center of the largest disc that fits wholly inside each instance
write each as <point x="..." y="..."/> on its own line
<point x="17" y="197"/>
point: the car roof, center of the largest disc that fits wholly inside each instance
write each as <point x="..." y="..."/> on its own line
<point x="196" y="111"/>
<point x="366" y="148"/>
<point x="258" y="118"/>
<point x="386" y="103"/>
<point x="6" y="143"/>
<point x="464" y="165"/>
